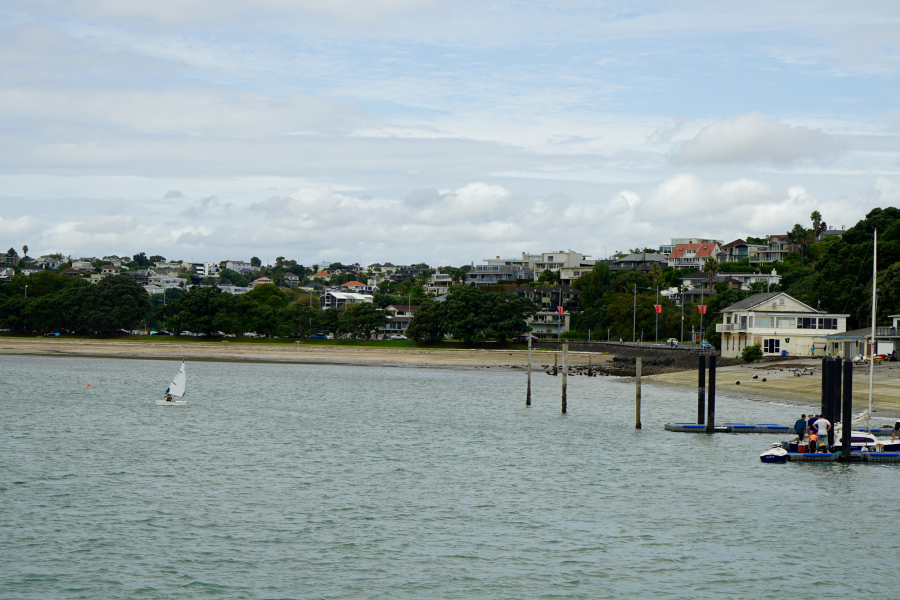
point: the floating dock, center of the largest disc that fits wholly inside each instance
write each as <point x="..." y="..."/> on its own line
<point x="855" y="457"/>
<point x="730" y="428"/>
<point x="749" y="428"/>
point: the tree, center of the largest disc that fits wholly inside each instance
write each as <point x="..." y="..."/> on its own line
<point x="269" y="294"/>
<point x="24" y="250"/>
<point x="430" y="322"/>
<point x="475" y="315"/>
<point x="594" y="285"/>
<point x="818" y="224"/>
<point x="255" y="262"/>
<point x="195" y="310"/>
<point x="298" y="318"/>
<point x="156" y="258"/>
<point x="141" y="259"/>
<point x="548" y="276"/>
<point x="115" y="302"/>
<point x="12" y="252"/>
<point x="752" y="353"/>
<point x="362" y="319"/>
<point x="329" y="318"/>
<point x="711" y="268"/>
<point x="655" y="272"/>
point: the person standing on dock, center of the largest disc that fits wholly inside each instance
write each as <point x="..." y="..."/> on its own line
<point x="822" y="428"/>
<point x="800" y="428"/>
<point x="810" y="423"/>
<point x="896" y="432"/>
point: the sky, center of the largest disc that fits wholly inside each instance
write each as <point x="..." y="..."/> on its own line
<point x="444" y="132"/>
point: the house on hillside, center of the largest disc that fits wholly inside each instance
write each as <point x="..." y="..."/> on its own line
<point x="548" y="322"/>
<point x="438" y="284"/>
<point x="738" y="250"/>
<point x="555" y="261"/>
<point x="292" y="280"/>
<point x="6" y="274"/>
<point x="668" y="248"/>
<point x="780" y="324"/>
<point x="320" y="276"/>
<point x="341" y="299"/>
<point x="492" y="274"/>
<point x="357" y="287"/>
<point x="70" y="272"/>
<point x="261" y="281"/>
<point x="692" y="255"/>
<point x="401" y="316"/>
<point x="642" y="261"/>
<point x="776" y="250"/>
<point x="240" y="266"/>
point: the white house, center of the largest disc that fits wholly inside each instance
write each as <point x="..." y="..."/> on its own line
<point x="438" y="284"/>
<point x="357" y="287"/>
<point x="240" y="266"/>
<point x="779" y="324"/>
<point x="692" y="255"/>
<point x="341" y="299"/>
<point x="548" y="324"/>
<point x="401" y="316"/>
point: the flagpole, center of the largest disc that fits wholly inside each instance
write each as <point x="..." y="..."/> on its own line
<point x="657" y="314"/>
<point x="872" y="352"/>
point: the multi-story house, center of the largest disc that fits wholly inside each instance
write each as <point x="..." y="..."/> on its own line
<point x="401" y="316"/>
<point x="140" y="276"/>
<point x="292" y="280"/>
<point x="555" y="261"/>
<point x="240" y="266"/>
<point x="639" y="262"/>
<point x="83" y="264"/>
<point x="739" y="250"/>
<point x="668" y="248"/>
<point x="438" y="284"/>
<point x="699" y="279"/>
<point x="357" y="287"/>
<point x="482" y="275"/>
<point x="692" y="255"/>
<point x="548" y="322"/>
<point x="165" y="281"/>
<point x="341" y="299"/>
<point x="48" y="262"/>
<point x="780" y="324"/>
<point x="776" y="250"/>
<point x="6" y="274"/>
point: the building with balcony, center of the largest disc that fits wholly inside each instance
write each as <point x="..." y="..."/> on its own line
<point x="401" y="316"/>
<point x="739" y="250"/>
<point x="492" y="274"/>
<point x="780" y="324"/>
<point x="639" y="262"/>
<point x="776" y="250"/>
<point x="692" y="255"/>
<point x="668" y="248"/>
<point x="438" y="284"/>
<point x="341" y="299"/>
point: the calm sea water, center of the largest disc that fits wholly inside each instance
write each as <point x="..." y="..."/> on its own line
<point x="301" y="481"/>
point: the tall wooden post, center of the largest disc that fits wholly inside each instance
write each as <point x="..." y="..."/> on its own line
<point x="711" y="402"/>
<point x="555" y="368"/>
<point x="590" y="367"/>
<point x="637" y="399"/>
<point x="701" y="391"/>
<point x="838" y="370"/>
<point x="565" y="369"/>
<point x="528" y="392"/>
<point x="848" y="408"/>
<point x="828" y="400"/>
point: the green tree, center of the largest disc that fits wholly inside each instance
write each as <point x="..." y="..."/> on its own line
<point x="195" y="310"/>
<point x="430" y="322"/>
<point x="329" y="319"/>
<point x="594" y="285"/>
<point x="752" y="353"/>
<point x="24" y="251"/>
<point x="711" y="268"/>
<point x="818" y="224"/>
<point x="140" y="259"/>
<point x="255" y="262"/>
<point x="475" y="315"/>
<point x="548" y="276"/>
<point x="362" y="319"/>
<point x="269" y="294"/>
<point x="298" y="319"/>
<point x="115" y="302"/>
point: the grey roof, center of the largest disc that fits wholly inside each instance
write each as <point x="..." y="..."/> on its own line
<point x="643" y="257"/>
<point x="754" y="300"/>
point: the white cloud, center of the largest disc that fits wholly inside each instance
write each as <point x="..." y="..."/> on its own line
<point x="753" y="137"/>
<point x="16" y="228"/>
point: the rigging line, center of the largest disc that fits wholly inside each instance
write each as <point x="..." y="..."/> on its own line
<point x="850" y="293"/>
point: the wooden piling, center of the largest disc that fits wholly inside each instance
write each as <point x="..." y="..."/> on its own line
<point x="711" y="400"/>
<point x="528" y="392"/>
<point x="555" y="367"/>
<point x="637" y="399"/>
<point x="838" y="370"/>
<point x="848" y="408"/>
<point x="565" y="365"/>
<point x="828" y="400"/>
<point x="701" y="391"/>
<point x="590" y="368"/>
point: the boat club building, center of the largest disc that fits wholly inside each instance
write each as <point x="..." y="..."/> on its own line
<point x="858" y="341"/>
<point x="780" y="324"/>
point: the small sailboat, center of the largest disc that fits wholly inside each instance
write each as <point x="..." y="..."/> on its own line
<point x="175" y="393"/>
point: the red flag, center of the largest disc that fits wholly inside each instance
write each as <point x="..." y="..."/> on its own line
<point x="657" y="308"/>
<point x="702" y="309"/>
<point x="559" y="309"/>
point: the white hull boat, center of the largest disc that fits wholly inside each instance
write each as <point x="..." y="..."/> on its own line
<point x="175" y="393"/>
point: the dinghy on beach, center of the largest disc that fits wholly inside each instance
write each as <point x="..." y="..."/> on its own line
<point x="175" y="393"/>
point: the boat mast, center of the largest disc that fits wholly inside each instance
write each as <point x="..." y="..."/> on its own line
<point x="872" y="352"/>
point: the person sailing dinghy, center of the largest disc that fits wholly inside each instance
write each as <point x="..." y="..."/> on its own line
<point x="175" y="392"/>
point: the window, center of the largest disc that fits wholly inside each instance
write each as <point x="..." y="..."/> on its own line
<point x="784" y="322"/>
<point x="806" y="322"/>
<point x="764" y="322"/>
<point x="827" y="323"/>
<point x="772" y="346"/>
<point x="728" y="320"/>
<point x="781" y="301"/>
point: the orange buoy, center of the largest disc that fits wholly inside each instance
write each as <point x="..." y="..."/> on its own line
<point x="89" y="385"/>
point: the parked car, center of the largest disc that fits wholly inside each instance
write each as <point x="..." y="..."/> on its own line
<point x="672" y="342"/>
<point x="53" y="334"/>
<point x="318" y="336"/>
<point x="123" y="332"/>
<point x="163" y="332"/>
<point x="705" y="345"/>
<point x="398" y="336"/>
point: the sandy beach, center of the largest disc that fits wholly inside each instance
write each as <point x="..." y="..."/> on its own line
<point x="292" y="353"/>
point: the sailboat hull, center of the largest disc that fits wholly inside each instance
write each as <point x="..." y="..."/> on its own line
<point x="172" y="403"/>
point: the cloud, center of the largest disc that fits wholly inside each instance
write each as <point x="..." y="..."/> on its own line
<point x="753" y="137"/>
<point x="206" y="206"/>
<point x="885" y="192"/>
<point x="13" y="228"/>
<point x="174" y="195"/>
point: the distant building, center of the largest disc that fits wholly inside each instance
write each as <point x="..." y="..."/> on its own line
<point x="240" y="266"/>
<point x="401" y="316"/>
<point x="261" y="281"/>
<point x="438" y="284"/>
<point x="779" y="324"/>
<point x="357" y="286"/>
<point x="342" y="299"/>
<point x="492" y="274"/>
<point x="639" y="262"/>
<point x="291" y="280"/>
<point x="668" y="248"/>
<point x="692" y="255"/>
<point x="777" y="249"/>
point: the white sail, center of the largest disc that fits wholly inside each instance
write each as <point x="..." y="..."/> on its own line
<point x="176" y="388"/>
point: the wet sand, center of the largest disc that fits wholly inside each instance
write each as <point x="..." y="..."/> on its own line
<point x="292" y="353"/>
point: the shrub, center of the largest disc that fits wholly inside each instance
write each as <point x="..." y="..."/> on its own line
<point x="752" y="353"/>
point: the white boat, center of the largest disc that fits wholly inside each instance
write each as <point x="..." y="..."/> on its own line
<point x="175" y="393"/>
